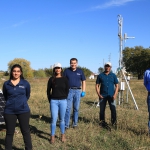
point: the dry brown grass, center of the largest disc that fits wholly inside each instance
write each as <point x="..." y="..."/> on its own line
<point x="131" y="133"/>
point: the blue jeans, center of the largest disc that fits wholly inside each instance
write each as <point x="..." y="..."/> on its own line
<point x="73" y="98"/>
<point x="58" y="107"/>
<point x="112" y="105"/>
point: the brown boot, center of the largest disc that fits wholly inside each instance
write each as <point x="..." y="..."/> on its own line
<point x="52" y="140"/>
<point x="63" y="138"/>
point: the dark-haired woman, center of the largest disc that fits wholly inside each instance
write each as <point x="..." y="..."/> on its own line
<point x="57" y="92"/>
<point x="17" y="92"/>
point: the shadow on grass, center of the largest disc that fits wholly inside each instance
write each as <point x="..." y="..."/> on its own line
<point x="85" y="120"/>
<point x="93" y="104"/>
<point x="137" y="132"/>
<point x="90" y="103"/>
<point x="39" y="133"/>
<point x="2" y="141"/>
<point x="33" y="130"/>
<point x="43" y="118"/>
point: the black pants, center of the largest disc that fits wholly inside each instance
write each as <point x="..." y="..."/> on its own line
<point x="112" y="106"/>
<point x="10" y="120"/>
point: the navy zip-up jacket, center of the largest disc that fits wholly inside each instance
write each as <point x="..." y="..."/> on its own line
<point x="16" y="97"/>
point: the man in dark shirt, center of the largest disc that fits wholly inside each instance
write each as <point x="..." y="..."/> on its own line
<point x="75" y="77"/>
<point x="105" y="90"/>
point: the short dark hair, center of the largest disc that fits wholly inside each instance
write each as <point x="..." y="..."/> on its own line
<point x="73" y="59"/>
<point x="12" y="68"/>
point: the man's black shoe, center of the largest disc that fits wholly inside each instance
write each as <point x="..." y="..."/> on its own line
<point x="104" y="125"/>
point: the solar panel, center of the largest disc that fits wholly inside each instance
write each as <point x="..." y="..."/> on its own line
<point x="2" y="106"/>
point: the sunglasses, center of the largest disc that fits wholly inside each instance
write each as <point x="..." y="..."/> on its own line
<point x="107" y="66"/>
<point x="57" y="67"/>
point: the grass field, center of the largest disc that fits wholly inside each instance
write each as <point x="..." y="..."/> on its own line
<point x="131" y="133"/>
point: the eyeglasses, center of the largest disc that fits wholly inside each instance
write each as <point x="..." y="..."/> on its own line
<point x="57" y="67"/>
<point x="107" y="66"/>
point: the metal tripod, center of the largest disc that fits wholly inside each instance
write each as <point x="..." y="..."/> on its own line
<point x="128" y="88"/>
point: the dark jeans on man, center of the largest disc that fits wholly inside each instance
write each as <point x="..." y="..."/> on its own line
<point x="10" y="120"/>
<point x="112" y="105"/>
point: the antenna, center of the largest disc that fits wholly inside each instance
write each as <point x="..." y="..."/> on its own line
<point x="127" y="37"/>
<point x="121" y="39"/>
<point x="103" y="62"/>
<point x="109" y="57"/>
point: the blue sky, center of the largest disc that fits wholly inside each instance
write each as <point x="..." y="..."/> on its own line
<point x="48" y="31"/>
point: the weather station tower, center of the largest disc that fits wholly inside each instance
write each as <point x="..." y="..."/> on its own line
<point x="123" y="76"/>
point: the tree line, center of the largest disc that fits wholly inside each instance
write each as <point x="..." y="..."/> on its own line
<point x="136" y="60"/>
<point x="28" y="72"/>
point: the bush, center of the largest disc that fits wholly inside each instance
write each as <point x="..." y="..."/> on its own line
<point x="39" y="73"/>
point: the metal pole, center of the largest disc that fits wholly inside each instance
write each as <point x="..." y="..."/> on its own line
<point x="119" y="98"/>
<point x="127" y="92"/>
<point x="120" y="21"/>
<point x="130" y="89"/>
<point x="120" y="50"/>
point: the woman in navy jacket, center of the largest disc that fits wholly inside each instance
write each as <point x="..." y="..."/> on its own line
<point x="17" y="92"/>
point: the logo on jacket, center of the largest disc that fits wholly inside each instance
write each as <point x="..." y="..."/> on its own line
<point x="78" y="74"/>
<point x="21" y="86"/>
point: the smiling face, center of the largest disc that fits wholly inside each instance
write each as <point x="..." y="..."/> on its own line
<point x="16" y="73"/>
<point x="73" y="64"/>
<point x="58" y="70"/>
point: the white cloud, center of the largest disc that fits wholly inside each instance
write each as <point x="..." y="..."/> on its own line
<point x="112" y="3"/>
<point x="19" y="23"/>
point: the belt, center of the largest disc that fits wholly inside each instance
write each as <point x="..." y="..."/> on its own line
<point x="75" y="88"/>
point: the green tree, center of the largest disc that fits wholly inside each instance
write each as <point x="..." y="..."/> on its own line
<point x="100" y="69"/>
<point x="87" y="72"/>
<point x="6" y="73"/>
<point x="27" y="71"/>
<point x="48" y="72"/>
<point x="39" y="73"/>
<point x="136" y="60"/>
